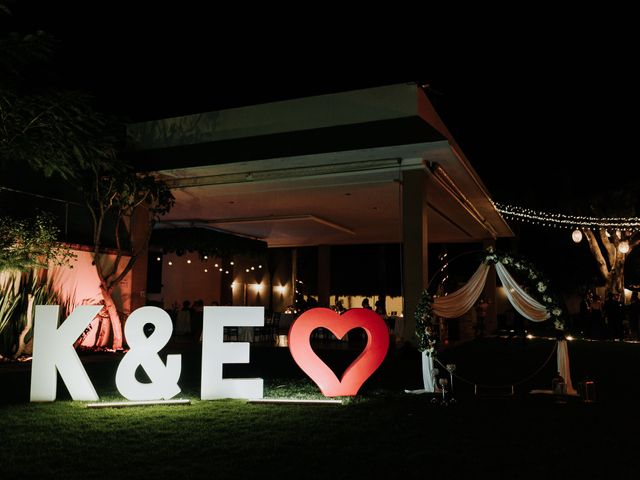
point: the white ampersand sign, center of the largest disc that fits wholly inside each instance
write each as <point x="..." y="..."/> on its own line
<point x="144" y="351"/>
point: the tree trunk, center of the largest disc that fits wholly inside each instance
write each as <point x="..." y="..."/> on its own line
<point x="615" y="281"/>
<point x="21" y="344"/>
<point x="609" y="259"/>
<point x="116" y="324"/>
<point x="104" y="329"/>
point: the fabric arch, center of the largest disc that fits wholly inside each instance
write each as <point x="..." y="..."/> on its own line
<point x="462" y="300"/>
<point x="525" y="304"/>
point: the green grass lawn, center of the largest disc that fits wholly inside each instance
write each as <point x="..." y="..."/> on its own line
<point x="382" y="432"/>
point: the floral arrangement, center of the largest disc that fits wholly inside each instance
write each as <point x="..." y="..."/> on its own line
<point x="424" y="324"/>
<point x="535" y="282"/>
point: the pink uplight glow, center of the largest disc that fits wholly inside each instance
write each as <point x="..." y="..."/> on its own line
<point x="82" y="285"/>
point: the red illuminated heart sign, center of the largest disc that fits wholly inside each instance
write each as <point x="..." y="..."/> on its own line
<point x="361" y="368"/>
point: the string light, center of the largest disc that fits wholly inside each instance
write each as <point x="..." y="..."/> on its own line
<point x="561" y="220"/>
<point x="219" y="265"/>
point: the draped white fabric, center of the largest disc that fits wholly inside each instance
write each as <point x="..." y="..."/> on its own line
<point x="524" y="304"/>
<point x="428" y="378"/>
<point x="563" y="366"/>
<point x="427" y="373"/>
<point x="462" y="300"/>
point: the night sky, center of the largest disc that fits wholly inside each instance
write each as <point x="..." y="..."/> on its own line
<point x="545" y="111"/>
<point x="531" y="106"/>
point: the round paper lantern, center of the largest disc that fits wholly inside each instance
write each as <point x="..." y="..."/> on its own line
<point x="623" y="247"/>
<point x="576" y="236"/>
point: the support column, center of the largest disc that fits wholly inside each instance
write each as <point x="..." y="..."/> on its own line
<point x="294" y="276"/>
<point x="491" y="322"/>
<point x="282" y="286"/>
<point x="381" y="269"/>
<point x="139" y="235"/>
<point x="324" y="275"/>
<point x="414" y="246"/>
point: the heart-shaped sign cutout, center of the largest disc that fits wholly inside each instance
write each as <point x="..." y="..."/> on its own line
<point x="361" y="368"/>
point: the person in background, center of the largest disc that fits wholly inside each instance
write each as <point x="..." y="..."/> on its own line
<point x="365" y="304"/>
<point x="584" y="316"/>
<point x="311" y="302"/>
<point x="380" y="308"/>
<point x="482" y="310"/>
<point x="214" y="303"/>
<point x="183" y="320"/>
<point x="633" y="314"/>
<point x="196" y="321"/>
<point x="614" y="314"/>
<point x="597" y="318"/>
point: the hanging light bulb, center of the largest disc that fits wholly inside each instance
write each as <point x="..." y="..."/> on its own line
<point x="576" y="236"/>
<point x="623" y="247"/>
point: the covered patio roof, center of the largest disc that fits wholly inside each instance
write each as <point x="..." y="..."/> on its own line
<point x="324" y="170"/>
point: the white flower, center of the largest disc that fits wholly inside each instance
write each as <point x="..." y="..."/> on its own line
<point x="541" y="287"/>
<point x="546" y="299"/>
<point x="533" y="276"/>
<point x="506" y="261"/>
<point x="559" y="325"/>
<point x="556" y="312"/>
